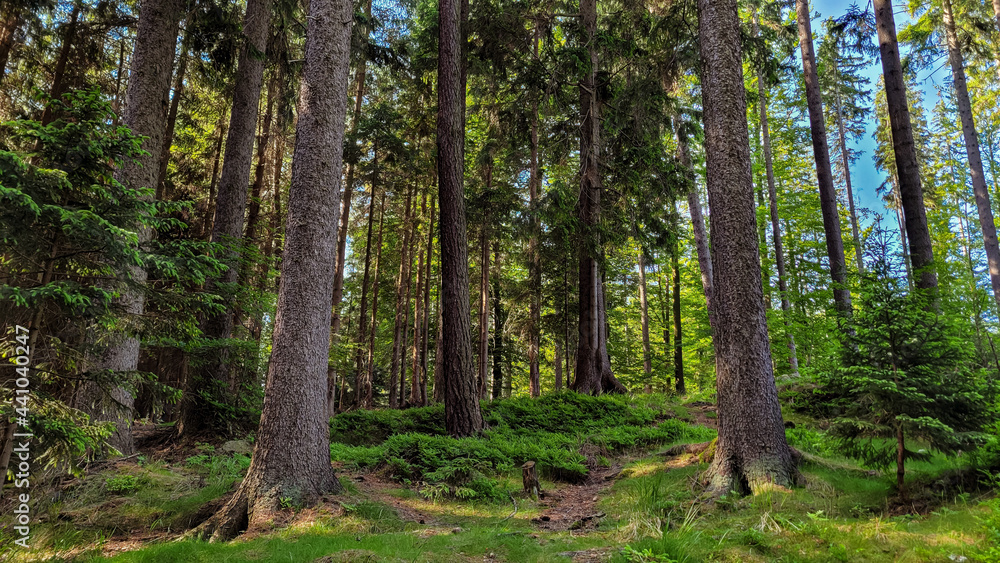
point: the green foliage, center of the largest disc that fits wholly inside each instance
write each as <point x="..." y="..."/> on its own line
<point x="122" y="484"/>
<point x="990" y="550"/>
<point x="551" y="431"/>
<point x="908" y="372"/>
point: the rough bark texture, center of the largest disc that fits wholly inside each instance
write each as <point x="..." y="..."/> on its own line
<point x="534" y="255"/>
<point x="824" y="172"/>
<point x="175" y="103"/>
<point x="972" y="150"/>
<point x="752" y="452"/>
<point x="484" y="311"/>
<point x="291" y="457"/>
<point x="359" y="366"/>
<point x="231" y="203"/>
<point x="146" y="115"/>
<point x="366" y="387"/>
<point x="678" y="333"/>
<point x="418" y="311"/>
<point x="463" y="416"/>
<point x="907" y="168"/>
<point x="779" y="251"/>
<point x="402" y="308"/>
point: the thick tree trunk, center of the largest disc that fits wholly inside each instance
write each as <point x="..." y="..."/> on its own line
<point x="231" y="206"/>
<point x="845" y="160"/>
<point x="463" y="416"/>
<point x="647" y="361"/>
<point x="907" y="168"/>
<point x="402" y="308"/>
<point x="779" y="252"/>
<point x="146" y="115"/>
<point x="535" y="257"/>
<point x="751" y="452"/>
<point x="175" y="103"/>
<point x="291" y="457"/>
<point x="972" y="150"/>
<point x="824" y="172"/>
<point x="10" y="24"/>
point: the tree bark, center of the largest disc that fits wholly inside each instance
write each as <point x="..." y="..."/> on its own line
<point x="779" y="252"/>
<point x="146" y="115"/>
<point x="208" y="219"/>
<point x="402" y="307"/>
<point x="427" y="310"/>
<point x="291" y="458"/>
<point x="59" y="73"/>
<point x="12" y="20"/>
<point x="253" y="213"/>
<point x="484" y="309"/>
<point x="175" y="102"/>
<point x="824" y="172"/>
<point x="359" y="366"/>
<point x="697" y="222"/>
<point x="751" y="452"/>
<point x="907" y="168"/>
<point x="366" y="388"/>
<point x="419" y="311"/>
<point x="498" y="326"/>
<point x="463" y="416"/>
<point x="979" y="188"/>
<point x="535" y="257"/>
<point x="231" y="206"/>
<point x="647" y="363"/>
<point x="678" y="334"/>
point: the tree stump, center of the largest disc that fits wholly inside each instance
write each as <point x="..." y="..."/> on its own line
<point x="530" y="479"/>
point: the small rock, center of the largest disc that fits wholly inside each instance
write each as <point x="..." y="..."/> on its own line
<point x="456" y="530"/>
<point x="238" y="447"/>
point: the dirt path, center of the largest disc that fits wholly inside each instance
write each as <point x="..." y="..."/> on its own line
<point x="574" y="507"/>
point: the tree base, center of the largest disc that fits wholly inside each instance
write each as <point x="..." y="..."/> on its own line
<point x="725" y="477"/>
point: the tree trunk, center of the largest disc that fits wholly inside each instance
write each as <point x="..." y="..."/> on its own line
<point x="907" y="168"/>
<point x="751" y="452"/>
<point x="484" y="309"/>
<point x="647" y="363"/>
<point x="366" y="389"/>
<point x="678" y="334"/>
<point x="534" y="255"/>
<point x="697" y="222"/>
<point x="59" y="73"/>
<point x="463" y="416"/>
<point x="972" y="150"/>
<point x="427" y="310"/>
<point x="363" y="317"/>
<point x="291" y="458"/>
<point x="846" y="163"/>
<point x="418" y="312"/>
<point x="779" y="252"/>
<point x="145" y="114"/>
<point x="175" y="102"/>
<point x="345" y="215"/>
<point x="231" y="206"/>
<point x="253" y="214"/>
<point x="208" y="219"/>
<point x="402" y="307"/>
<point x="824" y="173"/>
<point x="558" y="364"/>
<point x="11" y="22"/>
<point x="498" y="325"/>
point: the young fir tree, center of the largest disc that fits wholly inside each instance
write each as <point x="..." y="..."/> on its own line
<point x="909" y="376"/>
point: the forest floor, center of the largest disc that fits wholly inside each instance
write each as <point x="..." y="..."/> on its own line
<point x="639" y="506"/>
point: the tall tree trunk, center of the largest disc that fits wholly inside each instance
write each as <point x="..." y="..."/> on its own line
<point x="824" y="173"/>
<point x="367" y="387"/>
<point x="498" y="324"/>
<point x="438" y="352"/>
<point x="484" y="308"/>
<point x="231" y="206"/>
<point x="359" y="365"/>
<point x="208" y="219"/>
<point x="145" y="114"/>
<point x="779" y="252"/>
<point x="291" y="457"/>
<point x="972" y="150"/>
<point x="345" y="215"/>
<point x="751" y="451"/>
<point x="678" y="334"/>
<point x="558" y="364"/>
<point x="263" y="140"/>
<point x="418" y="310"/>
<point x="59" y="73"/>
<point x="647" y="362"/>
<point x="535" y="257"/>
<point x="697" y="221"/>
<point x="11" y="22"/>
<point x="907" y="168"/>
<point x="402" y="307"/>
<point x="427" y="310"/>
<point x="175" y="103"/>
<point x="593" y="366"/>
<point x="463" y="416"/>
<point x="845" y="160"/>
